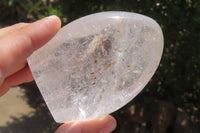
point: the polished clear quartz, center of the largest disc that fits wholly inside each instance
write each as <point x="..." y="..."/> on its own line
<point x="97" y="64"/>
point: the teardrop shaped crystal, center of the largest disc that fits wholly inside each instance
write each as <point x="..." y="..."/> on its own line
<point x="97" y="64"/>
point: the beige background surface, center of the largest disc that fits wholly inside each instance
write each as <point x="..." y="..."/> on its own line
<point x="12" y="104"/>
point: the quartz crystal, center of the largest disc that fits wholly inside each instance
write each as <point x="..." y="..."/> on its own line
<point x="97" y="64"/>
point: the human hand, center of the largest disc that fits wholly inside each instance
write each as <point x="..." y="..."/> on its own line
<point x="18" y="42"/>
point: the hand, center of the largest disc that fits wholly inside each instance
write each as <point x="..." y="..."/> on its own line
<point x="101" y="125"/>
<point x="18" y="42"/>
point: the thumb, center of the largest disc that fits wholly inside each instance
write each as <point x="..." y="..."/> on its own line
<point x="101" y="125"/>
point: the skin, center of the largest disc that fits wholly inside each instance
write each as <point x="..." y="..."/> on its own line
<point x="18" y="42"/>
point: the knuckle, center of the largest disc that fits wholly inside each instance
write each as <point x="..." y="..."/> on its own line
<point x="20" y="26"/>
<point x="28" y="43"/>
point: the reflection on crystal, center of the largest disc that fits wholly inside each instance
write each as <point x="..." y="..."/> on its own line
<point x="97" y="64"/>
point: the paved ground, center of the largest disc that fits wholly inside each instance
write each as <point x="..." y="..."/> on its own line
<point x="12" y="105"/>
<point x="16" y="116"/>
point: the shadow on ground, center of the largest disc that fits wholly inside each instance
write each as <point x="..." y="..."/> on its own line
<point x="40" y="121"/>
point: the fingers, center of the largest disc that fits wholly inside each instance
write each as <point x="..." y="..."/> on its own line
<point x="12" y="29"/>
<point x="17" y="68"/>
<point x="102" y="125"/>
<point x="24" y="40"/>
<point x="19" y="77"/>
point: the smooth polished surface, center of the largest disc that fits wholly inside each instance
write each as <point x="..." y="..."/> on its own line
<point x="97" y="64"/>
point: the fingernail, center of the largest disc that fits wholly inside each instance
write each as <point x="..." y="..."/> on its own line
<point x="109" y="126"/>
<point x="50" y="17"/>
<point x="54" y="19"/>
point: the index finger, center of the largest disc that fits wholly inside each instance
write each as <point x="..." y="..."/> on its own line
<point x="17" y="46"/>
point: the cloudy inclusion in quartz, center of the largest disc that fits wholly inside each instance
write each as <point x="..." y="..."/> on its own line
<point x="97" y="64"/>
